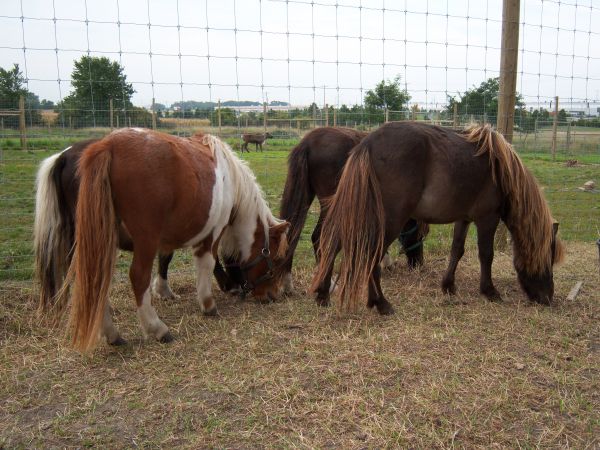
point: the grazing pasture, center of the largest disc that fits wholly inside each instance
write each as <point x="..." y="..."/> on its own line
<point x="442" y="372"/>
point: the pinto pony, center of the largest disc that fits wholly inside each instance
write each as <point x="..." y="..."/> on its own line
<point x="168" y="193"/>
<point x="57" y="186"/>
<point x="314" y="169"/>
<point x="407" y="169"/>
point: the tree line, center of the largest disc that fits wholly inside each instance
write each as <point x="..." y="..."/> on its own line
<point x="98" y="81"/>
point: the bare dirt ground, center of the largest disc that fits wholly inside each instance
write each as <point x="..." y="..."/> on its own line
<point x="441" y="372"/>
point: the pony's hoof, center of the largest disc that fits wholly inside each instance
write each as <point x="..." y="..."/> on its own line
<point x="118" y="342"/>
<point x="492" y="295"/>
<point x="322" y="301"/>
<point x="166" y="338"/>
<point x="448" y="288"/>
<point x="211" y="312"/>
<point x="385" y="308"/>
<point x="414" y="263"/>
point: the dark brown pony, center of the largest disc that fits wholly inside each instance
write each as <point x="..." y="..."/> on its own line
<point x="168" y="193"/>
<point x="54" y="230"/>
<point x="256" y="139"/>
<point x="314" y="169"/>
<point x="408" y="169"/>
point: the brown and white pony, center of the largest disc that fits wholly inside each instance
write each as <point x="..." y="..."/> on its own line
<point x="168" y="193"/>
<point x="436" y="175"/>
<point x="57" y="187"/>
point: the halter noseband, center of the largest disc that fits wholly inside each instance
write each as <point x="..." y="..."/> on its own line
<point x="265" y="254"/>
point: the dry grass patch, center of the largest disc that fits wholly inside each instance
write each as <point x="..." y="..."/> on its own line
<point x="441" y="372"/>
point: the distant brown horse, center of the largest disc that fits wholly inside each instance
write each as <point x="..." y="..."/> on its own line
<point x="407" y="169"/>
<point x="314" y="169"/>
<point x="168" y="193"/>
<point x="257" y="139"/>
<point x="54" y="231"/>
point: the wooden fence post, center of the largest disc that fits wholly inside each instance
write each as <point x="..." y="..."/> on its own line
<point x="22" y="128"/>
<point x="153" y="115"/>
<point x="314" y="114"/>
<point x="554" y="128"/>
<point x="508" y="68"/>
<point x="508" y="86"/>
<point x="264" y="117"/>
<point x="334" y="117"/>
<point x="387" y="115"/>
<point x="326" y="115"/>
<point x="568" y="136"/>
<point x="455" y="118"/>
<point x="219" y="116"/>
<point x="110" y="108"/>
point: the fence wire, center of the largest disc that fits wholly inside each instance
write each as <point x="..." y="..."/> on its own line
<point x="288" y="66"/>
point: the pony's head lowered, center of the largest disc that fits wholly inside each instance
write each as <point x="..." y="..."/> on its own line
<point x="255" y="241"/>
<point x="539" y="286"/>
<point x="262" y="272"/>
<point x="536" y="245"/>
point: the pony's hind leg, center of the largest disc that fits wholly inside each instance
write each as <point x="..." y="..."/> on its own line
<point x="376" y="297"/>
<point x="486" y="229"/>
<point x="160" y="285"/>
<point x="140" y="274"/>
<point x="456" y="253"/>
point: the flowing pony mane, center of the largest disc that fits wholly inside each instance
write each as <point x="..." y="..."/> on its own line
<point x="248" y="197"/>
<point x="529" y="219"/>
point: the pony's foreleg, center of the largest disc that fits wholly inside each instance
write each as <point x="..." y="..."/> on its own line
<point x="160" y="285"/>
<point x="412" y="243"/>
<point x="140" y="274"/>
<point x="109" y="331"/>
<point x="205" y="265"/>
<point x="486" y="229"/>
<point x="456" y="253"/>
<point x="376" y="297"/>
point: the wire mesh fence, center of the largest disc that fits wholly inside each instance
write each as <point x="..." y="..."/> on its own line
<point x="230" y="67"/>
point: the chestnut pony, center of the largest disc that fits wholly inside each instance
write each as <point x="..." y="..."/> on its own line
<point x="314" y="169"/>
<point x="168" y="193"/>
<point x="57" y="186"/>
<point x="436" y="175"/>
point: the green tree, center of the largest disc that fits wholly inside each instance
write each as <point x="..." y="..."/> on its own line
<point x="481" y="100"/>
<point x="95" y="81"/>
<point x="47" y="104"/>
<point x="387" y="95"/>
<point x="12" y="87"/>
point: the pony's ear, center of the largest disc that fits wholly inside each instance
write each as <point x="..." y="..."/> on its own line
<point x="279" y="233"/>
<point x="555" y="228"/>
<point x="279" y="229"/>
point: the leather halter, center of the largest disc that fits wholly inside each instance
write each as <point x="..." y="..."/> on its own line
<point x="265" y="254"/>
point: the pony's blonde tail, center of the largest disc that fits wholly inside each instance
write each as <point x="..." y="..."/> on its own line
<point x="96" y="240"/>
<point x="355" y="222"/>
<point x="51" y="236"/>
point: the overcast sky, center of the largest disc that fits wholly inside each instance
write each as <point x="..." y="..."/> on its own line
<point x="559" y="47"/>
